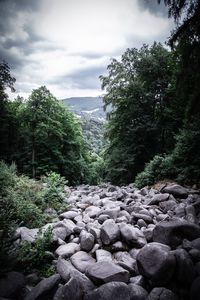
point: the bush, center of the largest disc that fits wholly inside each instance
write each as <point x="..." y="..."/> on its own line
<point x="36" y="256"/>
<point x="53" y="191"/>
<point x="159" y="168"/>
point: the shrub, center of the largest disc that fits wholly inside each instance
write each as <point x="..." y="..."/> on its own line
<point x="159" y="168"/>
<point x="53" y="192"/>
<point x="36" y="256"/>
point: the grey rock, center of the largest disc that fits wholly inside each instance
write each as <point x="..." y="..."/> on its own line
<point x="112" y="212"/>
<point x="162" y="293"/>
<point x="195" y="289"/>
<point x="86" y="241"/>
<point x="67" y="250"/>
<point x="60" y="233"/>
<point x="110" y="291"/>
<point x="137" y="292"/>
<point x="168" y="205"/>
<point x="185" y="271"/>
<point x="11" y="284"/>
<point x="104" y="271"/>
<point x="28" y="235"/>
<point x="132" y="236"/>
<point x="158" y="198"/>
<point x="139" y="280"/>
<point x="176" y="190"/>
<point x="69" y="224"/>
<point x="110" y="232"/>
<point x="82" y="260"/>
<point x="119" y="246"/>
<point x="72" y="290"/>
<point x="43" y="287"/>
<point x="103" y="255"/>
<point x="125" y="260"/>
<point x="156" y="263"/>
<point x="172" y="233"/>
<point x="144" y="217"/>
<point x="102" y="218"/>
<point x="67" y="271"/>
<point x="93" y="211"/>
<point x="69" y="215"/>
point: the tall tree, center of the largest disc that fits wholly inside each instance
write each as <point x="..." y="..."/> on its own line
<point x="140" y="88"/>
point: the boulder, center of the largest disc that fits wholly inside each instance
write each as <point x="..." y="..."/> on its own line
<point x="67" y="271"/>
<point x="137" y="292"/>
<point x="176" y="190"/>
<point x="28" y="235"/>
<point x="172" y="233"/>
<point x="67" y="250"/>
<point x="110" y="291"/>
<point x="43" y="287"/>
<point x="103" y="255"/>
<point x="72" y="290"/>
<point x="81" y="261"/>
<point x="125" y="260"/>
<point x="195" y="289"/>
<point x="158" y="198"/>
<point x="92" y="211"/>
<point x="110" y="232"/>
<point x="185" y="271"/>
<point x="132" y="236"/>
<point x="156" y="263"/>
<point x="162" y="294"/>
<point x="86" y="241"/>
<point x="104" y="271"/>
<point x="69" y="215"/>
<point x="11" y="285"/>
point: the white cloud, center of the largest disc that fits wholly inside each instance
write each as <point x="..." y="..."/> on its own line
<point x="77" y="35"/>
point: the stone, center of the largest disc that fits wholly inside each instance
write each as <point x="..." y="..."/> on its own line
<point x="119" y="246"/>
<point x="139" y="280"/>
<point x="172" y="233"/>
<point x="28" y="235"/>
<point x="103" y="255"/>
<point x="43" y="287"/>
<point x="11" y="284"/>
<point x="104" y="271"/>
<point x="93" y="211"/>
<point x="82" y="260"/>
<point x="69" y="224"/>
<point x="112" y="212"/>
<point x="156" y="263"/>
<point x="67" y="271"/>
<point x="72" y="290"/>
<point x="102" y="218"/>
<point x="185" y="271"/>
<point x="158" y="198"/>
<point x="176" y="190"/>
<point x="86" y="241"/>
<point x="195" y="289"/>
<point x="110" y="232"/>
<point x="67" y="250"/>
<point x="60" y="233"/>
<point x="110" y="291"/>
<point x="69" y="215"/>
<point x="137" y="292"/>
<point x="125" y="260"/>
<point x="132" y="236"/>
<point x="168" y="205"/>
<point x="161" y="293"/>
<point x="147" y="219"/>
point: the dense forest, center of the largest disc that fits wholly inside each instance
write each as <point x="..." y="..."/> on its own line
<point x="151" y="134"/>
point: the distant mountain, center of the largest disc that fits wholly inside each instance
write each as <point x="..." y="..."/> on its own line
<point x="87" y="106"/>
<point x="92" y="117"/>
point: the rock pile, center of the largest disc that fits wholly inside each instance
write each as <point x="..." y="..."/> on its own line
<point x="119" y="243"/>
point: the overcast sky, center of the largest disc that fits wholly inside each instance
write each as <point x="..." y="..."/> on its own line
<point x="67" y="44"/>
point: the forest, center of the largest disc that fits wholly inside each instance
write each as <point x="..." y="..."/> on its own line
<point x="151" y="135"/>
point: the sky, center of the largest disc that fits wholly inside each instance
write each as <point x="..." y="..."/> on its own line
<point x="67" y="44"/>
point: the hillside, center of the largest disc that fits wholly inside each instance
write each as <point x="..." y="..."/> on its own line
<point x="92" y="116"/>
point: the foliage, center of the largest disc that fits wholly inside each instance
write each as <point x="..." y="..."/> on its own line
<point x="53" y="191"/>
<point x="140" y="89"/>
<point x="96" y="167"/>
<point x="35" y="256"/>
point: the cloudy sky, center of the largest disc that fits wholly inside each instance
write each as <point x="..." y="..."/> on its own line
<point x="67" y="44"/>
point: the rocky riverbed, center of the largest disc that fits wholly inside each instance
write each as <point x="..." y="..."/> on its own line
<point x="118" y="243"/>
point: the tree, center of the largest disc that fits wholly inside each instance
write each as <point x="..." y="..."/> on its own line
<point x="6" y="117"/>
<point x="51" y="139"/>
<point x="140" y="89"/>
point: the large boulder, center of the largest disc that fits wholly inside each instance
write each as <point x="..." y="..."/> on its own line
<point x="110" y="291"/>
<point x="86" y="241"/>
<point x="72" y="290"/>
<point x="82" y="260"/>
<point x="176" y="190"/>
<point x="162" y="294"/>
<point x="11" y="285"/>
<point x="103" y="255"/>
<point x="156" y="263"/>
<point x="185" y="271"/>
<point x="172" y="233"/>
<point x="195" y="289"/>
<point x="133" y="236"/>
<point x="67" y="271"/>
<point x="104" y="271"/>
<point x="109" y="232"/>
<point x="67" y="250"/>
<point x="43" y="287"/>
<point x="137" y="292"/>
